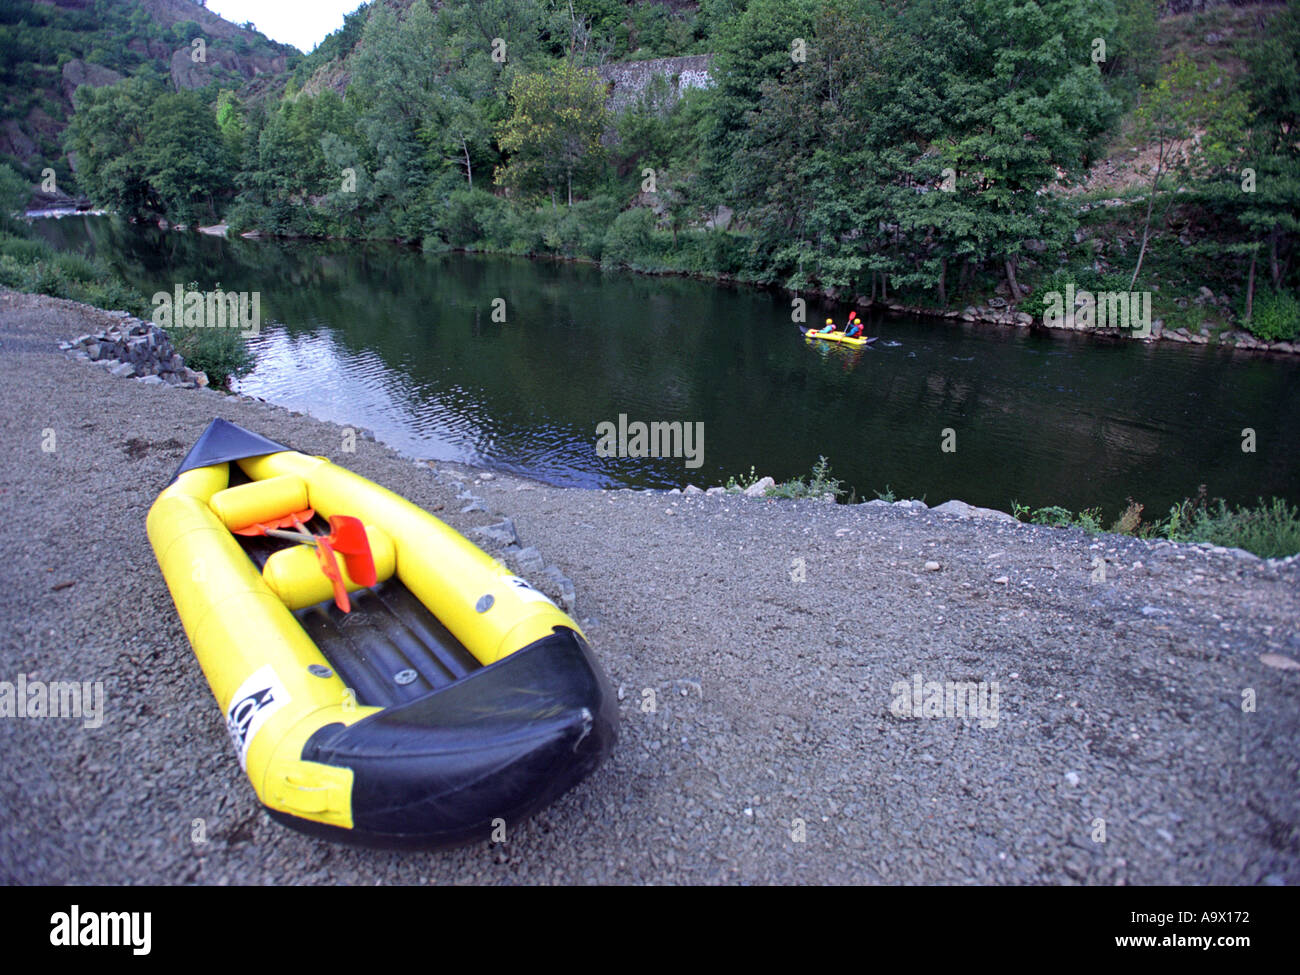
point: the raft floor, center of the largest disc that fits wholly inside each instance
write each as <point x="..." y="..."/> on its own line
<point x="390" y="649"/>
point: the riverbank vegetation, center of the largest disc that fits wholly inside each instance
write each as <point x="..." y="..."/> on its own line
<point x="34" y="266"/>
<point x="1269" y="529"/>
<point x="819" y="484"/>
<point x="936" y="153"/>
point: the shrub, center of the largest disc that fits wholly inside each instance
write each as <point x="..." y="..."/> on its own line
<point x="628" y="238"/>
<point x="25" y="250"/>
<point x="1271" y="529"/>
<point x="33" y="265"/>
<point x="222" y="353"/>
<point x="219" y="352"/>
<point x="744" y="482"/>
<point x="1275" y="316"/>
<point x="819" y="484"/>
<point x="1129" y="519"/>
<point x="458" y="222"/>
<point x="1083" y="278"/>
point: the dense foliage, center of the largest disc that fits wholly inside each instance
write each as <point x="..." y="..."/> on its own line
<point x="38" y="39"/>
<point x="927" y="150"/>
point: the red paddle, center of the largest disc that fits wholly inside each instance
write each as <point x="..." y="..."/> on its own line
<point x="347" y="538"/>
<point x="328" y="565"/>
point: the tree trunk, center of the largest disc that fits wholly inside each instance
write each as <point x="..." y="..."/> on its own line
<point x="1250" y="284"/>
<point x="1011" y="279"/>
<point x="469" y="168"/>
<point x="1146" y="226"/>
<point x="943" y="277"/>
<point x="1273" y="268"/>
<point x="570" y="179"/>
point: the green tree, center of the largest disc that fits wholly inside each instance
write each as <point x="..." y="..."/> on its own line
<point x="148" y="152"/>
<point x="1183" y="100"/>
<point x="554" y="129"/>
<point x="108" y="136"/>
<point x="1023" y="105"/>
<point x="919" y="135"/>
<point x="1270" y="212"/>
<point x="187" y="161"/>
<point x="14" y="194"/>
<point x="759" y="44"/>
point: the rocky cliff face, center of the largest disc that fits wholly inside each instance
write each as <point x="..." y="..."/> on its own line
<point x="187" y="71"/>
<point x="77" y="73"/>
<point x="628" y="80"/>
<point x="231" y="55"/>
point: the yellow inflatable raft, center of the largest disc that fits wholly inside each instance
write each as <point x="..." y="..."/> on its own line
<point x="839" y="337"/>
<point x="451" y="696"/>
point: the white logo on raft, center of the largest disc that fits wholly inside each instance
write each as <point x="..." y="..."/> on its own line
<point x="526" y="592"/>
<point x="257" y="699"/>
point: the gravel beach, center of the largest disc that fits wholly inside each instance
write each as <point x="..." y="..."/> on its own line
<point x="759" y="647"/>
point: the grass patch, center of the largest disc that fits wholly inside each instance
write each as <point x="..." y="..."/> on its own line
<point x="818" y="484"/>
<point x="1275" y="316"/>
<point x="32" y="265"/>
<point x="1269" y="529"/>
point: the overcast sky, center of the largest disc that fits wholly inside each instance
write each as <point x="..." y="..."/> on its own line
<point x="302" y="23"/>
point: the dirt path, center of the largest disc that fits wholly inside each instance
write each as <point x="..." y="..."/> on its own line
<point x="761" y="648"/>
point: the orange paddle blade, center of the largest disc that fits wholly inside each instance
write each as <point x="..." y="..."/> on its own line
<point x="325" y="556"/>
<point x="348" y="537"/>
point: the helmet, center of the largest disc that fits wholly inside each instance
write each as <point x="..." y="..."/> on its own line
<point x="829" y="322"/>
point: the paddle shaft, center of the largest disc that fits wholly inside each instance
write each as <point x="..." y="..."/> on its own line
<point x="306" y="539"/>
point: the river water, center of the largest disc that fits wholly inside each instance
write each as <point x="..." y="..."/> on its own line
<point x="405" y="344"/>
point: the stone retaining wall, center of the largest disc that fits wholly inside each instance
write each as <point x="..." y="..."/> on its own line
<point x="628" y="80"/>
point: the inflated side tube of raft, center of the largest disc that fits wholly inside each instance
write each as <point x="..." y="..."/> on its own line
<point x="453" y="695"/>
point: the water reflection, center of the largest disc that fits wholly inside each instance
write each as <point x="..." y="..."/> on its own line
<point x="404" y="343"/>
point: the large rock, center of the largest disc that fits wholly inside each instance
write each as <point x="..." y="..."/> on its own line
<point x="503" y="532"/>
<point x="188" y="73"/>
<point x="77" y="73"/>
<point x="960" y="509"/>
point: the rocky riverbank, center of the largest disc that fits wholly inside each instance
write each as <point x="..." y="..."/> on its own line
<point x="1145" y="728"/>
<point x="998" y="311"/>
<point x="135" y="349"/>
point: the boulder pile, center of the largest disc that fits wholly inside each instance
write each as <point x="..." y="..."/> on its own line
<point x="136" y="349"/>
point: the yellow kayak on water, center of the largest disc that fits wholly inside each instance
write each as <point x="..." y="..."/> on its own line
<point x="444" y="697"/>
<point x="839" y="337"/>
